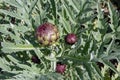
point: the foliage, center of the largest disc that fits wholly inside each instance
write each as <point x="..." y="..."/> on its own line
<point x="98" y="40"/>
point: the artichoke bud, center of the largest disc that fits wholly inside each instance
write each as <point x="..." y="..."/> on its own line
<point x="47" y="33"/>
<point x="71" y="38"/>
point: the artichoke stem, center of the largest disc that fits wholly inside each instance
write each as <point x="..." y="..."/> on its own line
<point x="53" y="61"/>
<point x="53" y="66"/>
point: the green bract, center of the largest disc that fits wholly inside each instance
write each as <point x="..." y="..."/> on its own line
<point x="47" y="33"/>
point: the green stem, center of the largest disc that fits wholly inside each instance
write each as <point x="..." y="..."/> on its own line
<point x="53" y="61"/>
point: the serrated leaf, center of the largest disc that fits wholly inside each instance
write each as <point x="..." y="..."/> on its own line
<point x="3" y="29"/>
<point x="54" y="76"/>
<point x="3" y="65"/>
<point x="110" y="65"/>
<point x="88" y="69"/>
<point x="110" y="46"/>
<point x="69" y="12"/>
<point x="22" y="29"/>
<point x="33" y="5"/>
<point x="12" y="14"/>
<point x="114" y="16"/>
<point x="111" y="10"/>
<point x="97" y="70"/>
<point x="79" y="72"/>
<point x="32" y="76"/>
<point x="66" y="24"/>
<point x="53" y="3"/>
<point x="74" y="5"/>
<point x="118" y="29"/>
<point x="107" y="37"/>
<point x="97" y="35"/>
<point x="86" y="47"/>
<point x="13" y="3"/>
<point x="8" y="47"/>
<point x="23" y="66"/>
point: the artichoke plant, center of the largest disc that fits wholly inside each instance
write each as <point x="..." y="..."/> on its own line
<point x="30" y="28"/>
